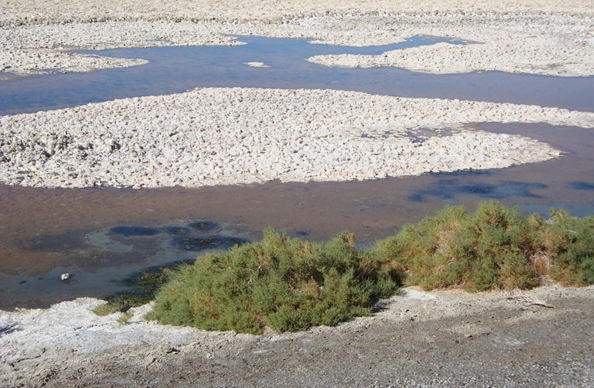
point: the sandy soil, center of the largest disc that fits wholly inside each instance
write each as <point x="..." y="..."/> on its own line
<point x="237" y="135"/>
<point x="540" y="338"/>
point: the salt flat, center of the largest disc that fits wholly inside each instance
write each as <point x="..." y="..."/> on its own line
<point x="228" y="136"/>
<point x="216" y="136"/>
<point x="530" y="36"/>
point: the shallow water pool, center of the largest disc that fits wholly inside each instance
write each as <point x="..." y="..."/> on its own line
<point x="103" y="235"/>
<point x="177" y="69"/>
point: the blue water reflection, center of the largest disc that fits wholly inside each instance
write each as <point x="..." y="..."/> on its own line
<point x="177" y="69"/>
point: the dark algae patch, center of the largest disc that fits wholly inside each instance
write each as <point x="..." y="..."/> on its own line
<point x="204" y="226"/>
<point x="447" y="189"/>
<point x="177" y="230"/>
<point x="290" y="284"/>
<point x="102" y="257"/>
<point x="134" y="231"/>
<point x="142" y="288"/>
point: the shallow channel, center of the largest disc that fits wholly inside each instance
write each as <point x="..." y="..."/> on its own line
<point x="177" y="69"/>
<point x="103" y="235"/>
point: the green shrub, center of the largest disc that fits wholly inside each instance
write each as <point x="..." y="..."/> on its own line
<point x="493" y="248"/>
<point x="289" y="285"/>
<point x="286" y="284"/>
<point x="569" y="245"/>
<point x="125" y="317"/>
<point x="106" y="309"/>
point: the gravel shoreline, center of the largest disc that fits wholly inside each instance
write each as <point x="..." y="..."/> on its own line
<point x="430" y="338"/>
<point x="217" y="136"/>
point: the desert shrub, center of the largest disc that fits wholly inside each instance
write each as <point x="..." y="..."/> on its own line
<point x="283" y="283"/>
<point x="488" y="249"/>
<point x="289" y="284"/>
<point x="125" y="317"/>
<point x="493" y="248"/>
<point x="568" y="243"/>
<point x="106" y="309"/>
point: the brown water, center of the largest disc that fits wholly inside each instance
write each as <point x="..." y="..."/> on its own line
<point x="45" y="229"/>
<point x="44" y="232"/>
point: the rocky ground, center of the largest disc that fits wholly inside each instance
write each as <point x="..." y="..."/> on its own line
<point x="538" y="338"/>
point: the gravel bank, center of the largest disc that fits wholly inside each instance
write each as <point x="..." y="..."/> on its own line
<point x="541" y="37"/>
<point x="428" y="338"/>
<point x="218" y="136"/>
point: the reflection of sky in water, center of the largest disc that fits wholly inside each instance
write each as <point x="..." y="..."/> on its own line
<point x="447" y="189"/>
<point x="114" y="253"/>
<point x="576" y="185"/>
<point x="177" y="69"/>
<point x="130" y="247"/>
<point x="573" y="209"/>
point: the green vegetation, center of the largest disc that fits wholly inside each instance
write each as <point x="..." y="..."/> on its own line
<point x="105" y="309"/>
<point x="125" y="317"/>
<point x="289" y="284"/>
<point x="286" y="284"/>
<point x="568" y="242"/>
<point x="144" y="284"/>
<point x="493" y="248"/>
<point x="122" y="302"/>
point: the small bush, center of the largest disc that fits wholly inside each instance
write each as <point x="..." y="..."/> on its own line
<point x="286" y="284"/>
<point x="569" y="243"/>
<point x="106" y="309"/>
<point x="125" y="317"/>
<point x="493" y="248"/>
